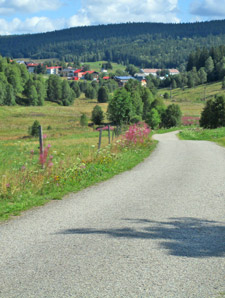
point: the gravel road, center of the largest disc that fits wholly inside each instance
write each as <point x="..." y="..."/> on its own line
<point x="155" y="231"/>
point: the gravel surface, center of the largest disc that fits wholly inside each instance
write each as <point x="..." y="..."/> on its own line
<point x="155" y="231"/>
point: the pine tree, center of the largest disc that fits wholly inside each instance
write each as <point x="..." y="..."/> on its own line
<point x="103" y="95"/>
<point x="97" y="115"/>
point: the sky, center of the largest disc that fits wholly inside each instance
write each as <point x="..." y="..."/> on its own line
<point x="34" y="16"/>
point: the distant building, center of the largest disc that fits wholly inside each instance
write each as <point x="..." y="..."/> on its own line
<point x="155" y="71"/>
<point x="174" y="71"/>
<point x="148" y="71"/>
<point x="123" y="80"/>
<point x="31" y="67"/>
<point x="53" y="70"/>
<point x="68" y="72"/>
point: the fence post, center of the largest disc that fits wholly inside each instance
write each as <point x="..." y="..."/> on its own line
<point x="100" y="139"/>
<point x="109" y="133"/>
<point x="41" y="139"/>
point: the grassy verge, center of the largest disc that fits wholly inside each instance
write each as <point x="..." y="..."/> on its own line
<point x="25" y="182"/>
<point x="215" y="135"/>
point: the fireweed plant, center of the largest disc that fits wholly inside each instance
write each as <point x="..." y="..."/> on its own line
<point x="51" y="175"/>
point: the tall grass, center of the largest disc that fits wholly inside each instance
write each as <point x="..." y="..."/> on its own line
<point x="32" y="179"/>
<point x="215" y="135"/>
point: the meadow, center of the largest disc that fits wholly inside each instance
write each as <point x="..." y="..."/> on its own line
<point x="198" y="94"/>
<point x="71" y="159"/>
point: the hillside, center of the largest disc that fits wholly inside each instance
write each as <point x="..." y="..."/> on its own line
<point x="142" y="44"/>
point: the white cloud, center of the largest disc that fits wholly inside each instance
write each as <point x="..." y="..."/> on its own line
<point x="92" y="12"/>
<point x="208" y="8"/>
<point x="9" y="7"/>
<point x="121" y="11"/>
<point x="30" y="25"/>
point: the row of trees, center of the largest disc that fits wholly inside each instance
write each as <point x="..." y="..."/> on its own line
<point x="134" y="103"/>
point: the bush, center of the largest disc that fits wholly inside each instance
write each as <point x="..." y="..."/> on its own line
<point x="97" y="115"/>
<point x="213" y="114"/>
<point x="166" y="95"/>
<point x="135" y="119"/>
<point x="34" y="129"/>
<point x="172" y="116"/>
<point x="83" y="120"/>
<point x="153" y="119"/>
<point x="103" y="95"/>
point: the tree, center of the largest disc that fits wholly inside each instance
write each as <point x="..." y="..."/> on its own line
<point x="90" y="92"/>
<point x="209" y="65"/>
<point x="172" y="116"/>
<point x="33" y="96"/>
<point x="76" y="89"/>
<point x="103" y="95"/>
<point x="213" y="114"/>
<point x="54" y="89"/>
<point x="166" y="95"/>
<point x="153" y="119"/>
<point x="131" y="69"/>
<point x="10" y="99"/>
<point x="147" y="99"/>
<point x="2" y="93"/>
<point x="137" y="104"/>
<point x="34" y="129"/>
<point x="97" y="115"/>
<point x="41" y="91"/>
<point x="202" y="75"/>
<point x="83" y="120"/>
<point x="67" y="94"/>
<point x="120" y="107"/>
<point x="14" y="78"/>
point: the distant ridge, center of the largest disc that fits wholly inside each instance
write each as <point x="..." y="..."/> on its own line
<point x="136" y="43"/>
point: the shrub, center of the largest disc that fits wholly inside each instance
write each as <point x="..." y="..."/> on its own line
<point x="83" y="120"/>
<point x="213" y="114"/>
<point x="153" y="118"/>
<point x="172" y="116"/>
<point x="97" y="115"/>
<point x="166" y="95"/>
<point x="34" y="129"/>
<point x="135" y="119"/>
<point x="103" y="95"/>
<point x="136" y="134"/>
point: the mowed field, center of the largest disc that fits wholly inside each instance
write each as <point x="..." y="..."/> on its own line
<point x="65" y="135"/>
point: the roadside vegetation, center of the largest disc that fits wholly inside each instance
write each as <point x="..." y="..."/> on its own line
<point x="71" y="160"/>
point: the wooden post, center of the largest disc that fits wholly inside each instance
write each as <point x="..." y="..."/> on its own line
<point x="100" y="139"/>
<point x="109" y="133"/>
<point x="41" y="139"/>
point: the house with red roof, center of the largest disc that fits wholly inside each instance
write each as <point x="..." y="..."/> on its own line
<point x="31" y="67"/>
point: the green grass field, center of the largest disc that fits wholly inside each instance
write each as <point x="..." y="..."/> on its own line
<point x="72" y="160"/>
<point x="198" y="94"/>
<point x="97" y="66"/>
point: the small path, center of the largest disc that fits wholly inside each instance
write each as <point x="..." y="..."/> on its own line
<point x="155" y="231"/>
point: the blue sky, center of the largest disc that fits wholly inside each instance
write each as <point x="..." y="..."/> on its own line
<point x="33" y="16"/>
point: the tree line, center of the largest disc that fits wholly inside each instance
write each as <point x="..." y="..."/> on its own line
<point x="155" y="45"/>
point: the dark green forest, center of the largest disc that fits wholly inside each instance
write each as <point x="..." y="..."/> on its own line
<point x="142" y="44"/>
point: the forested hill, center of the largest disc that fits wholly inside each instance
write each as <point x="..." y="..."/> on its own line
<point x="143" y="44"/>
